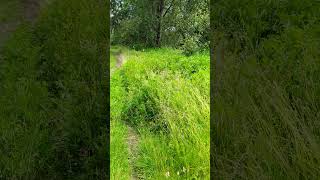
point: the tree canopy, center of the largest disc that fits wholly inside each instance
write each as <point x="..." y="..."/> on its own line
<point x="175" y="23"/>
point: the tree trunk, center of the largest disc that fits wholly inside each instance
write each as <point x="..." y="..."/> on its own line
<point x="160" y="8"/>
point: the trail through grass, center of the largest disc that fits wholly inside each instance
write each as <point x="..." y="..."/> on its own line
<point x="132" y="141"/>
<point x="132" y="136"/>
<point x="163" y="96"/>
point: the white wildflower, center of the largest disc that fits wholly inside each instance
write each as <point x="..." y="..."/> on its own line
<point x="167" y="174"/>
<point x="184" y="169"/>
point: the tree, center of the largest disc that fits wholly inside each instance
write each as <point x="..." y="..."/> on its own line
<point x="180" y="24"/>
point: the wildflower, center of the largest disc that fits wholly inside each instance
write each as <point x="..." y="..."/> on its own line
<point x="167" y="174"/>
<point x="184" y="169"/>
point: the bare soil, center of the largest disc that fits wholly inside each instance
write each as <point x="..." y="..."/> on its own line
<point x="132" y="140"/>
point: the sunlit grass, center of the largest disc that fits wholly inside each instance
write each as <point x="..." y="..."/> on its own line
<point x="166" y="100"/>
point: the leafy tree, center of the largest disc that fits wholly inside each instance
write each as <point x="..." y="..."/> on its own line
<point x="142" y="23"/>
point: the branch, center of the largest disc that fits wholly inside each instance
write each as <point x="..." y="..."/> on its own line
<point x="168" y="9"/>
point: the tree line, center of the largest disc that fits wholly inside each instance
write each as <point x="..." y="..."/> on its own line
<point x="161" y="23"/>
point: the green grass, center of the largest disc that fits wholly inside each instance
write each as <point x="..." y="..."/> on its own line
<point x="53" y="103"/>
<point x="267" y="119"/>
<point x="119" y="162"/>
<point x="165" y="98"/>
<point x="266" y="107"/>
<point x="119" y="149"/>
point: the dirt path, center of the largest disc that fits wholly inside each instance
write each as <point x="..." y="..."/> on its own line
<point x="132" y="140"/>
<point x="30" y="11"/>
<point x="133" y="137"/>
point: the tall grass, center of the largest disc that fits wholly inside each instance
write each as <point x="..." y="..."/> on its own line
<point x="266" y="109"/>
<point x="53" y="106"/>
<point x="166" y="101"/>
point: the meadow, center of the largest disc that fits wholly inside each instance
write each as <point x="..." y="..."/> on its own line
<point x="160" y="115"/>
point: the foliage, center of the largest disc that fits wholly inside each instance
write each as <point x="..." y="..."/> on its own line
<point x="184" y="24"/>
<point x="245" y="24"/>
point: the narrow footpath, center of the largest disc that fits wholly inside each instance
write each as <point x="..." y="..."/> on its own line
<point x="132" y="135"/>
